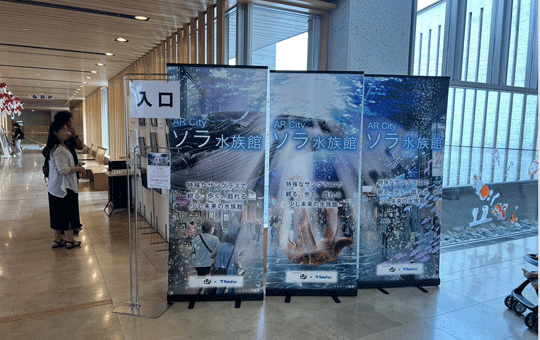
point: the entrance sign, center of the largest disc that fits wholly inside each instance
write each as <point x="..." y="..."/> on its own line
<point x="314" y="166"/>
<point x="217" y="183"/>
<point x="154" y="99"/>
<point x="403" y="144"/>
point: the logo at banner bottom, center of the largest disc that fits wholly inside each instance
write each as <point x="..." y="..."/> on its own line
<point x="216" y="281"/>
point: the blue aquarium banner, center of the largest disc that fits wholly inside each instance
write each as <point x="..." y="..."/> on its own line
<point x="402" y="159"/>
<point x="314" y="166"/>
<point x="217" y="183"/>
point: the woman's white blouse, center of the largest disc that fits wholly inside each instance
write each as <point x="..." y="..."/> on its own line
<point x="59" y="177"/>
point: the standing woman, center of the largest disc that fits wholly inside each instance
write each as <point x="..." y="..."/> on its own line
<point x="73" y="143"/>
<point x="63" y="186"/>
<point x="18" y="136"/>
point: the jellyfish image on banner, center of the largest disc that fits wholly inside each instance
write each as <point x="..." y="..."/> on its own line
<point x="313" y="180"/>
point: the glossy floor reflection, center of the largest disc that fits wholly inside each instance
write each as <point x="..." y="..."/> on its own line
<point x="65" y="294"/>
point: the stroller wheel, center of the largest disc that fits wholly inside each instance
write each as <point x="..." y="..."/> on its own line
<point x="518" y="307"/>
<point x="509" y="301"/>
<point x="530" y="319"/>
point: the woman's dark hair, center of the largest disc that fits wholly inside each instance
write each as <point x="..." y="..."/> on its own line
<point x="52" y="140"/>
<point x="62" y="117"/>
<point x="16" y="124"/>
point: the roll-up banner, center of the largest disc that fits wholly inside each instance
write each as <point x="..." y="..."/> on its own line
<point x="314" y="147"/>
<point x="402" y="160"/>
<point x="217" y="183"/>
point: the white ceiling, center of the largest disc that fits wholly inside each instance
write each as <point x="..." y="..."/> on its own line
<point x="50" y="46"/>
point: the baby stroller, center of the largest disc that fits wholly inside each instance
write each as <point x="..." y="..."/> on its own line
<point x="517" y="302"/>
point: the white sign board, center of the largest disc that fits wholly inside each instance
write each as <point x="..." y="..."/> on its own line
<point x="159" y="170"/>
<point x="154" y="99"/>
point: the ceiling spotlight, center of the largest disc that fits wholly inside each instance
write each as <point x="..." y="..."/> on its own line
<point x="100" y="64"/>
<point x="88" y="77"/>
<point x="142" y="18"/>
<point x="109" y="54"/>
<point x="121" y="39"/>
<point x="93" y="72"/>
<point x="85" y="82"/>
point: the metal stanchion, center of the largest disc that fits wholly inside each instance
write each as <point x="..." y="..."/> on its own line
<point x="140" y="308"/>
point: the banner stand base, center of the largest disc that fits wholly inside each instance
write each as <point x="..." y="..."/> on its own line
<point x="334" y="293"/>
<point x="380" y="285"/>
<point x="147" y="309"/>
<point x="192" y="298"/>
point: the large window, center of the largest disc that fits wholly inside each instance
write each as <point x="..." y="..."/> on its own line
<point x="489" y="49"/>
<point x="279" y="39"/>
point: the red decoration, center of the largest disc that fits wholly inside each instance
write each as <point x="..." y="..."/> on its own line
<point x="8" y="103"/>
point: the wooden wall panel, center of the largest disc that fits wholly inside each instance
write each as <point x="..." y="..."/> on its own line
<point x="220" y="43"/>
<point x="180" y="45"/>
<point x="117" y="117"/>
<point x="77" y="118"/>
<point x="185" y="42"/>
<point x="201" y="38"/>
<point x="92" y="107"/>
<point x="168" y="53"/>
<point x="193" y="40"/>
<point x="174" y="48"/>
<point x="323" y="55"/>
<point x="210" y="28"/>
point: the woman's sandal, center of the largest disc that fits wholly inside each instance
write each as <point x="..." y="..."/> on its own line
<point x="70" y="245"/>
<point x="59" y="244"/>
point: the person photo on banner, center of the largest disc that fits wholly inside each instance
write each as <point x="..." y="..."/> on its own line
<point x="63" y="187"/>
<point x="192" y="232"/>
<point x="203" y="246"/>
<point x="227" y="261"/>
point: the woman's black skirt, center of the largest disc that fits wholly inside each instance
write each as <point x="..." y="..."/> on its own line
<point x="64" y="211"/>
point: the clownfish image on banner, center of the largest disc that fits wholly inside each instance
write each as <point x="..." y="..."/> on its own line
<point x="513" y="218"/>
<point x="533" y="168"/>
<point x="482" y="190"/>
<point x="499" y="210"/>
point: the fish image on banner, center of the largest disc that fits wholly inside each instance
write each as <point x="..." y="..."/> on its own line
<point x="315" y="125"/>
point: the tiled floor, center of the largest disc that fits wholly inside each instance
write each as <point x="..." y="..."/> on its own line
<point x="65" y="294"/>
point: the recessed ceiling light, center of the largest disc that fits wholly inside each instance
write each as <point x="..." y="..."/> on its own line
<point x="93" y="72"/>
<point x="88" y="77"/>
<point x="85" y="82"/>
<point x="142" y="18"/>
<point x="100" y="64"/>
<point x="109" y="54"/>
<point x="121" y="39"/>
